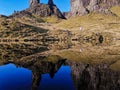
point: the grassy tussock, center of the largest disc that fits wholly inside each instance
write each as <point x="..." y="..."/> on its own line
<point x="52" y="19"/>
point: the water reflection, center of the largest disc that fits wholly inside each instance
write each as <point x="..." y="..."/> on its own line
<point x="74" y="76"/>
<point x="61" y="81"/>
<point x="14" y="78"/>
<point x="23" y="79"/>
<point x="98" y="77"/>
<point x="41" y="66"/>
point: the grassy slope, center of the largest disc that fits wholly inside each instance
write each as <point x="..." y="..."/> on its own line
<point x="14" y="28"/>
<point x="92" y="23"/>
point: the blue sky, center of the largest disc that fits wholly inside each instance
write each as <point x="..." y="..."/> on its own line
<point x="7" y="7"/>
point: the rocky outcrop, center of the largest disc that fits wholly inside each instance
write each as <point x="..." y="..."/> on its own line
<point x="3" y="16"/>
<point x="50" y="2"/>
<point x="44" y="10"/>
<point x="81" y="7"/>
<point x="77" y="8"/>
<point x="34" y="2"/>
<point x="39" y="9"/>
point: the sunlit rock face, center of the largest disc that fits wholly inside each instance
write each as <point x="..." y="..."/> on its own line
<point x="34" y="2"/>
<point x="81" y="7"/>
<point x="98" y="77"/>
<point x="77" y="7"/>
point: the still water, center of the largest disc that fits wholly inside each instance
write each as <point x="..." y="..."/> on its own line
<point x="19" y="78"/>
<point x="60" y="66"/>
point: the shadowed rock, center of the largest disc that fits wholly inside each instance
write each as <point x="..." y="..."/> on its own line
<point x="50" y="2"/>
<point x="39" y="9"/>
<point x="45" y="10"/>
<point x="100" y="77"/>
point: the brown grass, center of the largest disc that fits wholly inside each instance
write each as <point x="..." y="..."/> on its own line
<point x="116" y="10"/>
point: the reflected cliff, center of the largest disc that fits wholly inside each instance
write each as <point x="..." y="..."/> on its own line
<point x="65" y="65"/>
<point x="42" y="68"/>
<point x="37" y="70"/>
<point x="94" y="77"/>
<point x="62" y="75"/>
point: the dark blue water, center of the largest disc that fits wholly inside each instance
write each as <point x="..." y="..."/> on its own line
<point x="51" y="76"/>
<point x="19" y="78"/>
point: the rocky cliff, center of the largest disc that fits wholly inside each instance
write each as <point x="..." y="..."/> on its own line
<point x="40" y="9"/>
<point x="44" y="10"/>
<point x="78" y="7"/>
<point x="81" y="7"/>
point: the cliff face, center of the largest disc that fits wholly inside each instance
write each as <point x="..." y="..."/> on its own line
<point x="40" y="9"/>
<point x="44" y="10"/>
<point x="81" y="7"/>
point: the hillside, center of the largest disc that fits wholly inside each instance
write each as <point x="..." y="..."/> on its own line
<point x="34" y="24"/>
<point x="93" y="23"/>
<point x="10" y="28"/>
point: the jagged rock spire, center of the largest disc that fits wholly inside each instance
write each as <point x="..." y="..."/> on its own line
<point x="34" y="2"/>
<point x="50" y="2"/>
<point x="40" y="9"/>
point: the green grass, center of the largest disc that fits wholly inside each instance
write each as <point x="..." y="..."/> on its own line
<point x="92" y="23"/>
<point x="52" y="19"/>
<point x="89" y="20"/>
<point x="52" y="58"/>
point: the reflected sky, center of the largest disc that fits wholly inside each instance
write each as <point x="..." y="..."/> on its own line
<point x="18" y="78"/>
<point x="50" y="73"/>
<point x="61" y="81"/>
<point x="14" y="78"/>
